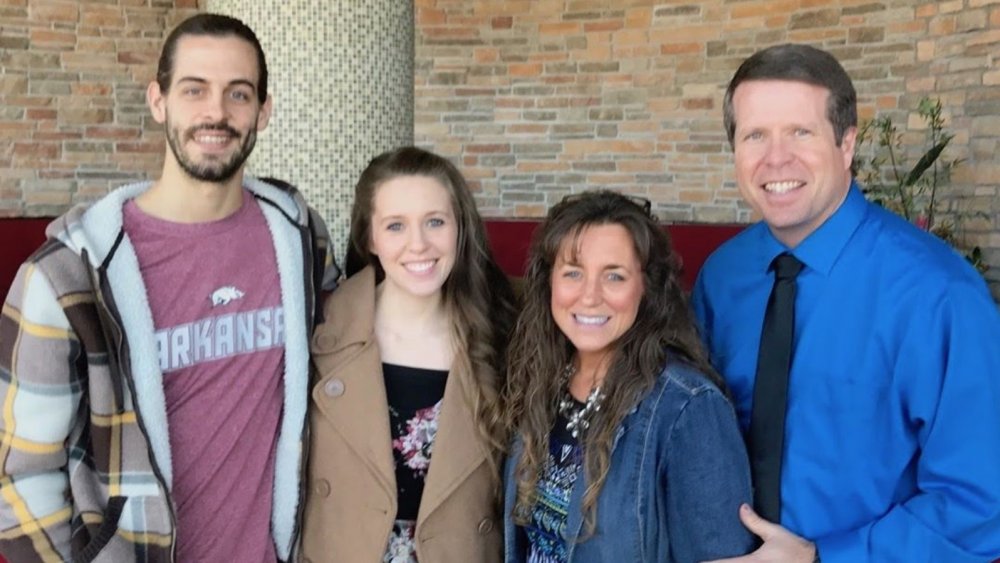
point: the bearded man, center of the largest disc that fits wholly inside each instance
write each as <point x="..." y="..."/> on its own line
<point x="154" y="351"/>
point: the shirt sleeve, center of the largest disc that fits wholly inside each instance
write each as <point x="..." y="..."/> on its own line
<point x="40" y="396"/>
<point x="700" y="308"/>
<point x="708" y="477"/>
<point x="321" y="238"/>
<point x="948" y="372"/>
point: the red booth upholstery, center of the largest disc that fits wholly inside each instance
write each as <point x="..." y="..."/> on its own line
<point x="510" y="239"/>
<point x="18" y="239"/>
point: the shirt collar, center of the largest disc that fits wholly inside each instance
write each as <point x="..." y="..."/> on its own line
<point x="820" y="250"/>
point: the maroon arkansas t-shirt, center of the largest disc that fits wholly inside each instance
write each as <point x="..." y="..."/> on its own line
<point x="215" y="297"/>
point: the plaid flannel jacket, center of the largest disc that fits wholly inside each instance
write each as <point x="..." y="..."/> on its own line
<point x="85" y="470"/>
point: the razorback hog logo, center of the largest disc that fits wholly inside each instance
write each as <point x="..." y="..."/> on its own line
<point x="224" y="295"/>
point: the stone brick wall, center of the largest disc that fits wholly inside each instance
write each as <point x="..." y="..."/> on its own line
<point x="73" y="116"/>
<point x="536" y="98"/>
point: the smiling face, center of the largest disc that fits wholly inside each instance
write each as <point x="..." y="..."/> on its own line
<point x="414" y="234"/>
<point x="597" y="285"/>
<point x="211" y="112"/>
<point x="789" y="166"/>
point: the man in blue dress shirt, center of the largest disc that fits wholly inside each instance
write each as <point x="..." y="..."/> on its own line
<point x="892" y="433"/>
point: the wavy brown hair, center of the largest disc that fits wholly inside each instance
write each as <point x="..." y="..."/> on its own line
<point x="477" y="295"/>
<point x="663" y="332"/>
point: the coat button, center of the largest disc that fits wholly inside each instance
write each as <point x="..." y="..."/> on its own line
<point x="324" y="341"/>
<point x="486" y="526"/>
<point x="322" y="488"/>
<point x="334" y="388"/>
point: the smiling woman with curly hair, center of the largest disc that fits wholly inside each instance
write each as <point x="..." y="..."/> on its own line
<point x="625" y="447"/>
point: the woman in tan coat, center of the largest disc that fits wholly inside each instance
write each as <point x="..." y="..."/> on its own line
<point x="405" y="421"/>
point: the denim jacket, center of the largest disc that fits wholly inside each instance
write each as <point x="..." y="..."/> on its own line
<point x="678" y="474"/>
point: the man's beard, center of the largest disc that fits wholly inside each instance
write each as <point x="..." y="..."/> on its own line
<point x="215" y="171"/>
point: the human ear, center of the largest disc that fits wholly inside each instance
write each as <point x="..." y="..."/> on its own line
<point x="157" y="102"/>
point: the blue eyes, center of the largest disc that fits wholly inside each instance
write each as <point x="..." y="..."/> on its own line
<point x="759" y="135"/>
<point x="397" y="226"/>
<point x="578" y="274"/>
<point x="235" y="95"/>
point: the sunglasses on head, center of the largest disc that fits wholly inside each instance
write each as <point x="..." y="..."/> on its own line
<point x="641" y="202"/>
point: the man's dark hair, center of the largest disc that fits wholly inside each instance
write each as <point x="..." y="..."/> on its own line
<point x="799" y="63"/>
<point x="215" y="25"/>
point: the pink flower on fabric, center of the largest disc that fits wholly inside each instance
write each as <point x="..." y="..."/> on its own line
<point x="402" y="547"/>
<point x="416" y="444"/>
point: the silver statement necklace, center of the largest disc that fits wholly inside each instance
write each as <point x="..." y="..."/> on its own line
<point x="577" y="417"/>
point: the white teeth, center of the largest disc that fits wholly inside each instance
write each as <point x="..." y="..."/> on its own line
<point x="213" y="139"/>
<point x="419" y="267"/>
<point x="782" y="187"/>
<point x="588" y="320"/>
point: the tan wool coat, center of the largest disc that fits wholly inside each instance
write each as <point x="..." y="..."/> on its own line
<point x="351" y="496"/>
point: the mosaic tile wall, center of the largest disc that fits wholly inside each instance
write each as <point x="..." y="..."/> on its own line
<point x="341" y="76"/>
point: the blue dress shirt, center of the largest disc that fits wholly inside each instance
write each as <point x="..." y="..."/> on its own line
<point x="892" y="440"/>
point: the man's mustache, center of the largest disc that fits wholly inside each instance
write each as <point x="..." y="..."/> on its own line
<point x="221" y="126"/>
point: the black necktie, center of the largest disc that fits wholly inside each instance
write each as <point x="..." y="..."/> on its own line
<point x="770" y="390"/>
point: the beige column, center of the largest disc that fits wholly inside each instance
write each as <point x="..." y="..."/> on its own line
<point x="341" y="76"/>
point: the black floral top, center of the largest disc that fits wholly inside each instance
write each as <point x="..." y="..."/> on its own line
<point x="414" y="396"/>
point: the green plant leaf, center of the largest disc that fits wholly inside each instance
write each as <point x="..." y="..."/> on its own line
<point x="926" y="161"/>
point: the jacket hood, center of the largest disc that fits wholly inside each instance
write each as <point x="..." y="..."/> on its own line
<point x="95" y="227"/>
<point x="95" y="231"/>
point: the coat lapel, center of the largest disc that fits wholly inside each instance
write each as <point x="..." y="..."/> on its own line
<point x="346" y="358"/>
<point x="349" y="354"/>
<point x="457" y="445"/>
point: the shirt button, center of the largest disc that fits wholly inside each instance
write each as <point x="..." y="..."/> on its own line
<point x="322" y="488"/>
<point x="486" y="526"/>
<point x="334" y="388"/>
